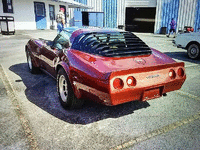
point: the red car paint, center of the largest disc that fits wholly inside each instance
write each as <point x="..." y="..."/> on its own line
<point x="93" y="76"/>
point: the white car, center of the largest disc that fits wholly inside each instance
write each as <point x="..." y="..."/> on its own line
<point x="189" y="41"/>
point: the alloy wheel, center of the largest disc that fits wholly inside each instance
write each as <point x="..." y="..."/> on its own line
<point x="63" y="88"/>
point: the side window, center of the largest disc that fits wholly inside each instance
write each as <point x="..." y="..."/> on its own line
<point x="7" y="6"/>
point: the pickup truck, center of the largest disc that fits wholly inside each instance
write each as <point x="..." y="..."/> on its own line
<point x="189" y="41"/>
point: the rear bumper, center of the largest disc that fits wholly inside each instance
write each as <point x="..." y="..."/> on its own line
<point x="144" y="94"/>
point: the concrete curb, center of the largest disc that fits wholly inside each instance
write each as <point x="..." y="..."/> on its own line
<point x="15" y="102"/>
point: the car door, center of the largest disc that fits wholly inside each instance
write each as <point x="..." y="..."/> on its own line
<point x="49" y="58"/>
<point x="51" y="54"/>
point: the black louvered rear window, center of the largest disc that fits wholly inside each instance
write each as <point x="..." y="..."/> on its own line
<point x="112" y="44"/>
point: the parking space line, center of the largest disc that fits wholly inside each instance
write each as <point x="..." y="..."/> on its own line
<point x="15" y="102"/>
<point x="187" y="94"/>
<point x="193" y="65"/>
<point x="154" y="133"/>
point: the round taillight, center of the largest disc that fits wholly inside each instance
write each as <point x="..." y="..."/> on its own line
<point x="131" y="81"/>
<point x="188" y="29"/>
<point x="181" y="72"/>
<point x="192" y="29"/>
<point x="172" y="74"/>
<point x="118" y="83"/>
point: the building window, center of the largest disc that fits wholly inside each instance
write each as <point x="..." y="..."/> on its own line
<point x="7" y="6"/>
<point x="52" y="12"/>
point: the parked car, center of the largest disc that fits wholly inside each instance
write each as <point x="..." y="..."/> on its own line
<point x="189" y="41"/>
<point x="109" y="66"/>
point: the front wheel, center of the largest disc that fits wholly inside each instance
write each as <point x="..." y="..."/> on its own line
<point x="65" y="92"/>
<point x="193" y="51"/>
<point x="31" y="67"/>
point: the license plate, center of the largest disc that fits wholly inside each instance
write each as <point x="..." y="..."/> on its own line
<point x="151" y="93"/>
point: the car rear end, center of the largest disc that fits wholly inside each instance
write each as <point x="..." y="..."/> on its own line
<point x="137" y="72"/>
<point x="145" y="83"/>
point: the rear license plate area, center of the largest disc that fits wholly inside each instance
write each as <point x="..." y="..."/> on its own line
<point x="151" y="94"/>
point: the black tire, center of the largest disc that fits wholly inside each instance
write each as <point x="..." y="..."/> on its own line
<point x="65" y="92"/>
<point x="32" y="68"/>
<point x="193" y="51"/>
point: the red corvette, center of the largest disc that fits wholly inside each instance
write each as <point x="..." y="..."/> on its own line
<point x="108" y="66"/>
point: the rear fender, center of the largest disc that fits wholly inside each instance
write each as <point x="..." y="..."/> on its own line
<point x="67" y="69"/>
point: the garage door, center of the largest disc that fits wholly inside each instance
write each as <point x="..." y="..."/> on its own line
<point x="140" y="19"/>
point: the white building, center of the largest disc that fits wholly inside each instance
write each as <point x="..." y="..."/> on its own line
<point x="40" y="14"/>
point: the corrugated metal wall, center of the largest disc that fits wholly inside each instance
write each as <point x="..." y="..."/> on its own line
<point x="96" y="4"/>
<point x="187" y="10"/>
<point x="121" y="12"/>
<point x="140" y="3"/>
<point x="197" y="17"/>
<point x="170" y="10"/>
<point x="110" y="8"/>
<point x="185" y="13"/>
<point x="110" y="13"/>
<point x="83" y="2"/>
<point x="158" y="19"/>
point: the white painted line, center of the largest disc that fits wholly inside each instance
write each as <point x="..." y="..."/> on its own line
<point x="193" y="65"/>
<point x="187" y="94"/>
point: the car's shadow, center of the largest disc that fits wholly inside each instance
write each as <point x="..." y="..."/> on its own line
<point x="41" y="90"/>
<point x="182" y="56"/>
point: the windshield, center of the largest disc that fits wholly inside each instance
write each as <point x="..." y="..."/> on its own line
<point x="62" y="40"/>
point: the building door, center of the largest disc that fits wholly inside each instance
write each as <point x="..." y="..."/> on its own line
<point x="52" y="16"/>
<point x="51" y="12"/>
<point x="100" y="20"/>
<point x="77" y="18"/>
<point x="94" y="19"/>
<point x="65" y="12"/>
<point x="40" y="15"/>
<point x="85" y="17"/>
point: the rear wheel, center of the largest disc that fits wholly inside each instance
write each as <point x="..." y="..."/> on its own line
<point x="193" y="51"/>
<point x="65" y="92"/>
<point x="31" y="67"/>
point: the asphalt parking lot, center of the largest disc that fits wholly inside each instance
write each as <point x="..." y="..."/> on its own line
<point x="32" y="118"/>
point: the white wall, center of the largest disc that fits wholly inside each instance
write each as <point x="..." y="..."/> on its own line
<point x="121" y="12"/>
<point x="96" y="4"/>
<point x="186" y="14"/>
<point x="24" y="15"/>
<point x="158" y="18"/>
<point x="140" y="3"/>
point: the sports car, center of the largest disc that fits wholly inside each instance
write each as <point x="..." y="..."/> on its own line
<point x="109" y="66"/>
